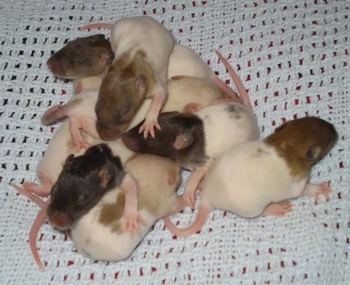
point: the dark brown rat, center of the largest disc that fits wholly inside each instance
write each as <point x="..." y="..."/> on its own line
<point x="82" y="57"/>
<point x="82" y="183"/>
<point x="256" y="178"/>
<point x="195" y="140"/>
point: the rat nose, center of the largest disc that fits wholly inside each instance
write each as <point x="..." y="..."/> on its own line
<point x="60" y="220"/>
<point x="55" y="66"/>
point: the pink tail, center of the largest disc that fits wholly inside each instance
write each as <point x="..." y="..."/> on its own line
<point x="96" y="26"/>
<point x="39" y="220"/>
<point x="192" y="229"/>
<point x="227" y="90"/>
<point x="241" y="89"/>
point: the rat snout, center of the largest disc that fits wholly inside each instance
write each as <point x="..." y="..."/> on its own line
<point x="109" y="134"/>
<point x="60" y="220"/>
<point x="55" y="66"/>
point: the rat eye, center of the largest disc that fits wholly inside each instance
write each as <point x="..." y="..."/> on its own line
<point x="82" y="197"/>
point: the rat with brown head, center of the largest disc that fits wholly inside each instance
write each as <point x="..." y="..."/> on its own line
<point x="258" y="177"/>
<point x="82" y="57"/>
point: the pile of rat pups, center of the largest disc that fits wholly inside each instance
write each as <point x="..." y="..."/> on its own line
<point x="145" y="107"/>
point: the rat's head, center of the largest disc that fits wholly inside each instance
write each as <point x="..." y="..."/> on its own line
<point x="82" y="57"/>
<point x="179" y="134"/>
<point x="121" y="94"/>
<point x="81" y="184"/>
<point x="307" y="139"/>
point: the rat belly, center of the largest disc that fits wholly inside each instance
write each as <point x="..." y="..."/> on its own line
<point x="245" y="179"/>
<point x="105" y="242"/>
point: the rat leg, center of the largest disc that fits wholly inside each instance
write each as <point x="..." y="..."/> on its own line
<point x="277" y="209"/>
<point x="159" y="96"/>
<point x="42" y="189"/>
<point x="29" y="195"/>
<point x="75" y="124"/>
<point x="192" y="184"/>
<point x="130" y="188"/>
<point x="316" y="190"/>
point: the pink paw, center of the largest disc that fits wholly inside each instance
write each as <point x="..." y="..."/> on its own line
<point x="37" y="189"/>
<point x="131" y="223"/>
<point x="189" y="199"/>
<point x="321" y="189"/>
<point x="277" y="209"/>
<point x="148" y="127"/>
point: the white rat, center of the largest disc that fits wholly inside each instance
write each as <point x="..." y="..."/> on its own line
<point x="258" y="177"/>
<point x="99" y="234"/>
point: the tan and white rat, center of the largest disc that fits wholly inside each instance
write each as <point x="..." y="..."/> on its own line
<point x="258" y="177"/>
<point x="142" y="47"/>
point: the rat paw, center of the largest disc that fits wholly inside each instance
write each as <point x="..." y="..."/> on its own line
<point x="277" y="209"/>
<point x="131" y="223"/>
<point x="37" y="189"/>
<point x="148" y="127"/>
<point x="189" y="199"/>
<point x="321" y="189"/>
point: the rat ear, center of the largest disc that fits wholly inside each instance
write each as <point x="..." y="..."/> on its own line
<point x="69" y="158"/>
<point x="281" y="127"/>
<point x="192" y="108"/>
<point x="313" y="152"/>
<point x="106" y="174"/>
<point x="183" y="140"/>
<point x="140" y="84"/>
<point x="171" y="177"/>
<point x="106" y="58"/>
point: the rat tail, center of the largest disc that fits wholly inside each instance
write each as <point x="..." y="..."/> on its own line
<point x="194" y="227"/>
<point x="96" y="26"/>
<point x="241" y="89"/>
<point x="39" y="220"/>
<point x="227" y="90"/>
<point x="54" y="114"/>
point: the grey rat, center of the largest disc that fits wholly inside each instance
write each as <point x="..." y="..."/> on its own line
<point x="256" y="178"/>
<point x="70" y="62"/>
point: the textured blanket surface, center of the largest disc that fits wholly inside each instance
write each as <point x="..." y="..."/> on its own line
<point x="293" y="58"/>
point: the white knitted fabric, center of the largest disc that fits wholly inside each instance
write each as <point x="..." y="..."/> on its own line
<point x="293" y="57"/>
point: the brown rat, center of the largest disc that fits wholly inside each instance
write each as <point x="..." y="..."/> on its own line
<point x="82" y="57"/>
<point x="195" y="140"/>
<point x="258" y="177"/>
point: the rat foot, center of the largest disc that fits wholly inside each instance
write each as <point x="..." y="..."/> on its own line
<point x="75" y="124"/>
<point x="148" y="127"/>
<point x="131" y="222"/>
<point x="316" y="190"/>
<point x="278" y="209"/>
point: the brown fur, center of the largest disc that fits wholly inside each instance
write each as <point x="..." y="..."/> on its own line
<point x="122" y="91"/>
<point x="303" y="143"/>
<point x="112" y="213"/>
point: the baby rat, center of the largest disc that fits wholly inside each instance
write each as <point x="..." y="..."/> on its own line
<point x="195" y="140"/>
<point x="82" y="57"/>
<point x="116" y="146"/>
<point x="142" y="47"/>
<point x="252" y="178"/>
<point x="99" y="233"/>
<point x="84" y="180"/>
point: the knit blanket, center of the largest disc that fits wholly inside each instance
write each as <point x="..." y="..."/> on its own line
<point x="293" y="58"/>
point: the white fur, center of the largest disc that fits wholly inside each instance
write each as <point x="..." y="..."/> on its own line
<point x="148" y="35"/>
<point x="223" y="129"/>
<point x="246" y="178"/>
